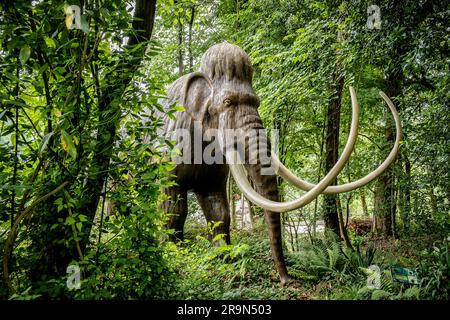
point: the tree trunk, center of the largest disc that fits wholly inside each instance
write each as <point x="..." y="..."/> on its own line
<point x="54" y="253"/>
<point x="330" y="214"/>
<point x="347" y="210"/>
<point x="180" y="48"/>
<point x="242" y="211"/>
<point x="433" y="202"/>
<point x="316" y="201"/>
<point x="342" y="229"/>
<point x="251" y="214"/>
<point x="407" y="192"/>
<point x="385" y="206"/>
<point x="291" y="227"/>
<point x="143" y="25"/>
<point x="362" y="196"/>
<point x="191" y="24"/>
<point x="231" y="202"/>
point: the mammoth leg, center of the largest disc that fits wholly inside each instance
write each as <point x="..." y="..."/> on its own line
<point x="176" y="208"/>
<point x="215" y="208"/>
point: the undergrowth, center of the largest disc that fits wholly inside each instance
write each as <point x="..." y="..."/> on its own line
<point x="324" y="269"/>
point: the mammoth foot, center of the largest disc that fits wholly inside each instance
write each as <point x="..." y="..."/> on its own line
<point x="287" y="280"/>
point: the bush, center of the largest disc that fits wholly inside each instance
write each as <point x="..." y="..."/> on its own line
<point x="242" y="270"/>
<point x="435" y="270"/>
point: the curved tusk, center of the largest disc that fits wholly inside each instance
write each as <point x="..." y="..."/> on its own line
<point x="286" y="174"/>
<point x="238" y="172"/>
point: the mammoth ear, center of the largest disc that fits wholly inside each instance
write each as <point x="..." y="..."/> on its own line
<point x="197" y="95"/>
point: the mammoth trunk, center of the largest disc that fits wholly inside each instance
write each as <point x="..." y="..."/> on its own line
<point x="253" y="146"/>
<point x="266" y="185"/>
<point x="245" y="139"/>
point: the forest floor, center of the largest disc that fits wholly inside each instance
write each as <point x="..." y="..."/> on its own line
<point x="323" y="270"/>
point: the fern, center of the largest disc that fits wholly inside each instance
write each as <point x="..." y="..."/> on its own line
<point x="324" y="257"/>
<point x="360" y="259"/>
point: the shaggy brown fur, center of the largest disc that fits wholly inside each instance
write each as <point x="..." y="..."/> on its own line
<point x="226" y="62"/>
<point x="226" y="75"/>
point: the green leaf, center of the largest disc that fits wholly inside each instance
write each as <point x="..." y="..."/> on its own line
<point x="50" y="42"/>
<point x="44" y="142"/>
<point x="104" y="13"/>
<point x="67" y="143"/>
<point x="13" y="140"/>
<point x="24" y="54"/>
<point x="84" y="24"/>
<point x="70" y="220"/>
<point x="11" y="76"/>
<point x="19" y="103"/>
<point x="218" y="237"/>
<point x="43" y="68"/>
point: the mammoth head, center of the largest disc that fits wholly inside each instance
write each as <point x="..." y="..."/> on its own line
<point x="226" y="62"/>
<point x="223" y="85"/>
<point x="221" y="96"/>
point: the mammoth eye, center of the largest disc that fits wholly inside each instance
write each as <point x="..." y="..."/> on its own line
<point x="227" y="102"/>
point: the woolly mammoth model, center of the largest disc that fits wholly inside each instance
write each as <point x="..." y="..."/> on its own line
<point x="218" y="98"/>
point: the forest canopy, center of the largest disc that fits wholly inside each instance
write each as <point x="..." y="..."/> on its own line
<point x="84" y="170"/>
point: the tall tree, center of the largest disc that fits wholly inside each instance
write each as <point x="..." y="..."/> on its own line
<point x="332" y="149"/>
<point x="190" y="44"/>
<point x="180" y="28"/>
<point x="398" y="24"/>
<point x="81" y="166"/>
<point x="109" y="112"/>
